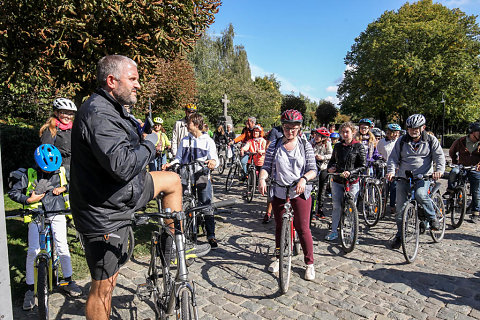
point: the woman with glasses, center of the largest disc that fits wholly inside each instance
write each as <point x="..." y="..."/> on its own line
<point x="59" y="127"/>
<point x="288" y="160"/>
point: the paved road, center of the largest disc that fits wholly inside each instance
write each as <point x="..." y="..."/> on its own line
<point x="372" y="282"/>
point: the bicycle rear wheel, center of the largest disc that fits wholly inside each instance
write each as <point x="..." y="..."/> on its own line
<point x="42" y="288"/>
<point x="251" y="182"/>
<point x="285" y="266"/>
<point x="437" y="235"/>
<point x="349" y="226"/>
<point x="458" y="207"/>
<point x="410" y="232"/>
<point x="372" y="201"/>
<point x="231" y="176"/>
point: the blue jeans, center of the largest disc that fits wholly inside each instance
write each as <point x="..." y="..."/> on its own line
<point x="474" y="179"/>
<point x="337" y="201"/>
<point x="204" y="194"/>
<point x="156" y="164"/>
<point x="422" y="197"/>
<point x="244" y="161"/>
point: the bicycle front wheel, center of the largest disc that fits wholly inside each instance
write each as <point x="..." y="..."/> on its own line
<point x="458" y="207"/>
<point x="410" y="232"/>
<point x="437" y="235"/>
<point x="372" y="201"/>
<point x="187" y="310"/>
<point x="231" y="176"/>
<point x="349" y="227"/>
<point x="221" y="164"/>
<point x="285" y="266"/>
<point x="251" y="182"/>
<point x="42" y="288"/>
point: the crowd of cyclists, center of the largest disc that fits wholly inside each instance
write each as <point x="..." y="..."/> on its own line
<point x="284" y="154"/>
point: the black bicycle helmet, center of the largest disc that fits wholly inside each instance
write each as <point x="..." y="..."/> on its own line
<point x="474" y="127"/>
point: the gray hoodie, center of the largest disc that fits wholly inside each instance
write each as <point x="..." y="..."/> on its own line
<point x="420" y="161"/>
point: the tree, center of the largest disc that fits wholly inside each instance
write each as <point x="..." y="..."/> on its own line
<point x="290" y="101"/>
<point x="405" y="60"/>
<point x="326" y="112"/>
<point x="221" y="67"/>
<point x="50" y="44"/>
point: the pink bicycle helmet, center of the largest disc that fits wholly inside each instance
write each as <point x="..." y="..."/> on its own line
<point x="292" y="116"/>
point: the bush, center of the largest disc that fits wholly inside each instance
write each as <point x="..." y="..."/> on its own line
<point x="450" y="138"/>
<point x="18" y="145"/>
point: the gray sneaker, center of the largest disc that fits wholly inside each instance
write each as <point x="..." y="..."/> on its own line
<point x="29" y="300"/>
<point x="72" y="289"/>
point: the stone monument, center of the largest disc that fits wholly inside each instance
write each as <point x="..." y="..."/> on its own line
<point x="225" y="118"/>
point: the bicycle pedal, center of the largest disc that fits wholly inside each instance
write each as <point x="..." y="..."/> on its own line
<point x="144" y="291"/>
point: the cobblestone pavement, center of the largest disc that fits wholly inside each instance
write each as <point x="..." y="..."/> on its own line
<point x="371" y="282"/>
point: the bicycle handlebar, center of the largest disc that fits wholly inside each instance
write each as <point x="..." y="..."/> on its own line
<point x="34" y="212"/>
<point x="168" y="214"/>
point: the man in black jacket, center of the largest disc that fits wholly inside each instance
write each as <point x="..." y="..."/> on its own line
<point x="108" y="176"/>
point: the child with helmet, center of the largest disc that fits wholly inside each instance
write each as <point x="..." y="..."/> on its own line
<point x="334" y="137"/>
<point x="59" y="127"/>
<point x="161" y="147"/>
<point x="256" y="145"/>
<point x="323" y="152"/>
<point x="44" y="187"/>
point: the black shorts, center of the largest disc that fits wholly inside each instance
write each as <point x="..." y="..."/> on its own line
<point x="105" y="254"/>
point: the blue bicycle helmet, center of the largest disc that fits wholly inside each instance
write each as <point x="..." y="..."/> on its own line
<point x="394" y="127"/>
<point x="334" y="135"/>
<point x="48" y="158"/>
<point x="366" y="121"/>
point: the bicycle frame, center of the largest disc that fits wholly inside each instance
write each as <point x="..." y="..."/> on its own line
<point x="46" y="250"/>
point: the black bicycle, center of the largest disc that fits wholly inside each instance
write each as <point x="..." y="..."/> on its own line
<point x="457" y="200"/>
<point x="252" y="177"/>
<point x="235" y="173"/>
<point x="348" y="218"/>
<point x="172" y="293"/>
<point x="222" y="157"/>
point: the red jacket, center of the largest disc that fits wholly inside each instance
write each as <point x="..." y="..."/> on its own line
<point x="460" y="154"/>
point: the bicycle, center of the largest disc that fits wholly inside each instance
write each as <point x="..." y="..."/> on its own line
<point x="289" y="240"/>
<point x="189" y="200"/>
<point x="457" y="201"/>
<point x="414" y="221"/>
<point x="235" y="172"/>
<point x="348" y="218"/>
<point x="252" y="175"/>
<point x="173" y="293"/>
<point x="46" y="262"/>
<point x="222" y="158"/>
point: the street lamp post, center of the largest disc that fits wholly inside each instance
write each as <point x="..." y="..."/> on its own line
<point x="443" y="120"/>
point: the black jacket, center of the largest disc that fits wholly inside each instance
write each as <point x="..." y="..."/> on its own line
<point x="50" y="201"/>
<point x="350" y="158"/>
<point x="108" y="167"/>
<point x="220" y="138"/>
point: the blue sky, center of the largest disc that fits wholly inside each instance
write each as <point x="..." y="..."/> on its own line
<point x="304" y="42"/>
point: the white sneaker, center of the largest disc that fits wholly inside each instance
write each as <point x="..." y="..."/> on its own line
<point x="310" y="272"/>
<point x="273" y="267"/>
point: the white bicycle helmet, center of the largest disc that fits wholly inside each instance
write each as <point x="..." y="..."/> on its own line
<point x="64" y="104"/>
<point x="415" y="121"/>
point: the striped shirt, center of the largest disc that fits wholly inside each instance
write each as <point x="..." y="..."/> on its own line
<point x="286" y="167"/>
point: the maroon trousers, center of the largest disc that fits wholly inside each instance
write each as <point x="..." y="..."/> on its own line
<point x="301" y="222"/>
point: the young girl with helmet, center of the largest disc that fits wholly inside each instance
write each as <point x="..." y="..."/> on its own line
<point x="289" y="160"/>
<point x="59" y="127"/>
<point x="366" y="137"/>
<point x="256" y="145"/>
<point x="323" y="152"/>
<point x="161" y="147"/>
<point x="44" y="187"/>
<point x="334" y="137"/>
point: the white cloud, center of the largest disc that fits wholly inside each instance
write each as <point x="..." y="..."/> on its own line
<point x="333" y="100"/>
<point x="286" y="86"/>
<point x="332" y="89"/>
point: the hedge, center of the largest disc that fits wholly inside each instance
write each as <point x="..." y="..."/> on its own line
<point x="18" y="145"/>
<point x="450" y="138"/>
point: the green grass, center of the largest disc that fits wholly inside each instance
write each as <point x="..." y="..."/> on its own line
<point x="17" y="238"/>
